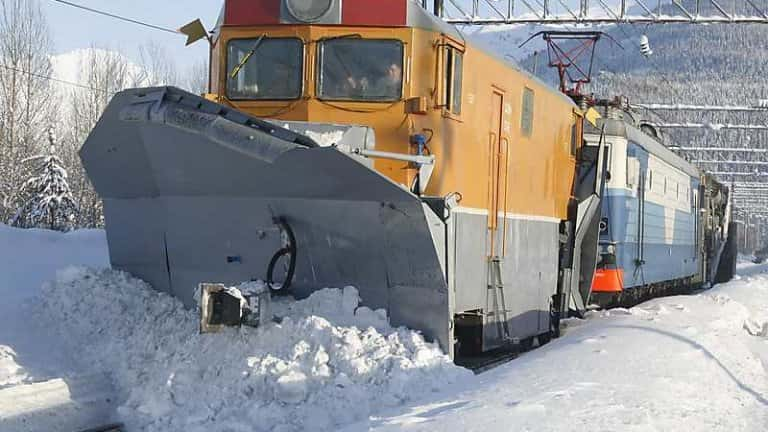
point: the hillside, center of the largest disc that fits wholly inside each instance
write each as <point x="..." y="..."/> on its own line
<point x="691" y="64"/>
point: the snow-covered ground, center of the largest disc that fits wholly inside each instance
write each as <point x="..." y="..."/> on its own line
<point x="689" y="362"/>
<point x="694" y="363"/>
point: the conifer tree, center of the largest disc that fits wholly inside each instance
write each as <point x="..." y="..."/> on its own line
<point x="49" y="202"/>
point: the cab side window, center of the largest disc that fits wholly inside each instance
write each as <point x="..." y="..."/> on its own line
<point x="575" y="136"/>
<point x="526" y="114"/>
<point x="453" y="68"/>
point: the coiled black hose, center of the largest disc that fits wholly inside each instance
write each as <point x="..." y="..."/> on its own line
<point x="289" y="248"/>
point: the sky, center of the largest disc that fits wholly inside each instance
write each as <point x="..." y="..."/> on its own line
<point x="73" y="28"/>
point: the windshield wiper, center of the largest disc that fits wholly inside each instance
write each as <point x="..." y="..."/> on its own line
<point x="247" y="57"/>
<point x="345" y="36"/>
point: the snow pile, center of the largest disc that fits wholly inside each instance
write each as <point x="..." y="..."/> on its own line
<point x="10" y="371"/>
<point x="326" y="139"/>
<point x="327" y="363"/>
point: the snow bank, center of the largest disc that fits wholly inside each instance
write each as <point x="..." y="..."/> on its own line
<point x="327" y="363"/>
<point x="28" y="257"/>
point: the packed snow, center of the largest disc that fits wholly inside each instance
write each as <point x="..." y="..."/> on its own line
<point x="326" y="363"/>
<point x="326" y="139"/>
<point x="696" y="362"/>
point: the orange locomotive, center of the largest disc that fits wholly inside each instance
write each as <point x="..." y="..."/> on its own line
<point x="502" y="139"/>
<point x="479" y="231"/>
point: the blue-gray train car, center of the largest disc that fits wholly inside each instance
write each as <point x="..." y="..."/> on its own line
<point x="664" y="222"/>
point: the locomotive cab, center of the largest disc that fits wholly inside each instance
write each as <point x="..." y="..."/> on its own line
<point x="328" y="61"/>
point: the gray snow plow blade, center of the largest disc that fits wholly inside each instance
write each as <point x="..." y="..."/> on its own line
<point x="192" y="189"/>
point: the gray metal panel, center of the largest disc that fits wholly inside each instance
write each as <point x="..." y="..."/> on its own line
<point x="138" y="244"/>
<point x="438" y="229"/>
<point x="529" y="272"/>
<point x="471" y="263"/>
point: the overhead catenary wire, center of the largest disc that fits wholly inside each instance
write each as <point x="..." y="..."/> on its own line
<point x="50" y="78"/>
<point x="119" y="17"/>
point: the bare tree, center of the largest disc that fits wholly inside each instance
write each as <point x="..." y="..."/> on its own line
<point x="27" y="104"/>
<point x="156" y="66"/>
<point x="104" y="72"/>
<point x="196" y="77"/>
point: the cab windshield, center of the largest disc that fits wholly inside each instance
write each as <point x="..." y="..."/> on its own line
<point x="354" y="69"/>
<point x="265" y="68"/>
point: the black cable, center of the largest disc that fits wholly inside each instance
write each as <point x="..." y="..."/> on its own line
<point x="122" y="18"/>
<point x="50" y="78"/>
<point x="288" y="249"/>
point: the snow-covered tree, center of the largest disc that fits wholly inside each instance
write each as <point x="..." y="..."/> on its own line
<point x="49" y="201"/>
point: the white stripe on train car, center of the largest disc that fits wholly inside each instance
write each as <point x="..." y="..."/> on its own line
<point x="517" y="216"/>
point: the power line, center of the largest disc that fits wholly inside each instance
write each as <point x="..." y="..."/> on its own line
<point x="50" y="78"/>
<point x="122" y="18"/>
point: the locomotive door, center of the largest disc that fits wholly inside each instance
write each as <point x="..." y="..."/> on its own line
<point x="498" y="146"/>
<point x="640" y="260"/>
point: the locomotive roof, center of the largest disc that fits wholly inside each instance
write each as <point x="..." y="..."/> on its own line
<point x="622" y="128"/>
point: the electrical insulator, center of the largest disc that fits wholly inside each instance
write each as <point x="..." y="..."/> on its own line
<point x="645" y="47"/>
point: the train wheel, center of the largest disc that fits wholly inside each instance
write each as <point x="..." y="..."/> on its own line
<point x="544" y="338"/>
<point x="554" y="320"/>
<point x="526" y="344"/>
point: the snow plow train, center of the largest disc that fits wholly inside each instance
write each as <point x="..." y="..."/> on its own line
<point x="344" y="143"/>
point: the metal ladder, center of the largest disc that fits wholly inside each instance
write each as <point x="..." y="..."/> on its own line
<point x="496" y="291"/>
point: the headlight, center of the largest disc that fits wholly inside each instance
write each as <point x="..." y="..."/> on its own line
<point x="308" y="10"/>
<point x="603" y="225"/>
